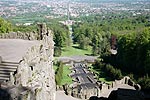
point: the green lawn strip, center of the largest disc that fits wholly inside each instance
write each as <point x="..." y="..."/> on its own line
<point x="74" y="50"/>
<point x="65" y="77"/>
<point x="105" y="80"/>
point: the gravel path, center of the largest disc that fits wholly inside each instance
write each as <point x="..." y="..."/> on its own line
<point x="77" y="58"/>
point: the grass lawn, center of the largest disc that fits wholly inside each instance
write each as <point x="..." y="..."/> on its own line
<point x="74" y="50"/>
<point x="105" y="80"/>
<point x="66" y="79"/>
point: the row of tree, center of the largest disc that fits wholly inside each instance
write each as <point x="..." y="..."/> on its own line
<point x="134" y="52"/>
<point x="5" y="26"/>
<point x="133" y="44"/>
<point x="96" y="30"/>
<point x="110" y="71"/>
<point x="61" y="37"/>
<point x="88" y="34"/>
<point x="133" y="56"/>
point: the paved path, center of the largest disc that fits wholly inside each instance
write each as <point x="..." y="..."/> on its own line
<point x="12" y="50"/>
<point x="60" y="95"/>
<point x="77" y="59"/>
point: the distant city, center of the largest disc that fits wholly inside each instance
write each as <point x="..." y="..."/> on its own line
<point x="75" y="8"/>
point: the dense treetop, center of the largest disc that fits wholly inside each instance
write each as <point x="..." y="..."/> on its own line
<point x="5" y="26"/>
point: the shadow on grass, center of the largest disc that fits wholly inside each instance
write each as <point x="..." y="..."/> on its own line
<point x="64" y="49"/>
<point x="89" y="54"/>
<point x="103" y="75"/>
<point x="77" y="47"/>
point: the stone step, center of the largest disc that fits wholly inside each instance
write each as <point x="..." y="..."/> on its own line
<point x="7" y="70"/>
<point x="4" y="64"/>
<point x="3" y="72"/>
<point x="7" y="67"/>
<point x="4" y="75"/>
<point x="4" y="78"/>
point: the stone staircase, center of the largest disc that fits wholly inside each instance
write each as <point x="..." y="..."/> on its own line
<point x="6" y="68"/>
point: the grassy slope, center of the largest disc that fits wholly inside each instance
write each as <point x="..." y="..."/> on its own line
<point x="71" y="51"/>
<point x="74" y="50"/>
<point x="66" y="79"/>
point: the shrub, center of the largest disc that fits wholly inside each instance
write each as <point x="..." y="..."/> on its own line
<point x="59" y="73"/>
<point x="57" y="51"/>
<point x="112" y="72"/>
<point x="144" y="82"/>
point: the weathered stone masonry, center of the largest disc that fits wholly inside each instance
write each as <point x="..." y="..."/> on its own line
<point x="36" y="71"/>
<point x="34" y="78"/>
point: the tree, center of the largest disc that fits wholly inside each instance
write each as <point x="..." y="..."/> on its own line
<point x="58" y="39"/>
<point x="57" y="51"/>
<point x="59" y="73"/>
<point x="144" y="82"/>
<point x="5" y="26"/>
<point x="83" y="42"/>
<point x="95" y="42"/>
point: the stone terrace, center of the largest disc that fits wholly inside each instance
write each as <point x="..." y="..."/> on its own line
<point x="11" y="52"/>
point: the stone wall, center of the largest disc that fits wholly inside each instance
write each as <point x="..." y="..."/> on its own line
<point x="116" y="83"/>
<point x="20" y="35"/>
<point x="102" y="87"/>
<point x="16" y="35"/>
<point x="86" y="93"/>
<point x="36" y="71"/>
<point x="41" y="31"/>
<point x="35" y="77"/>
